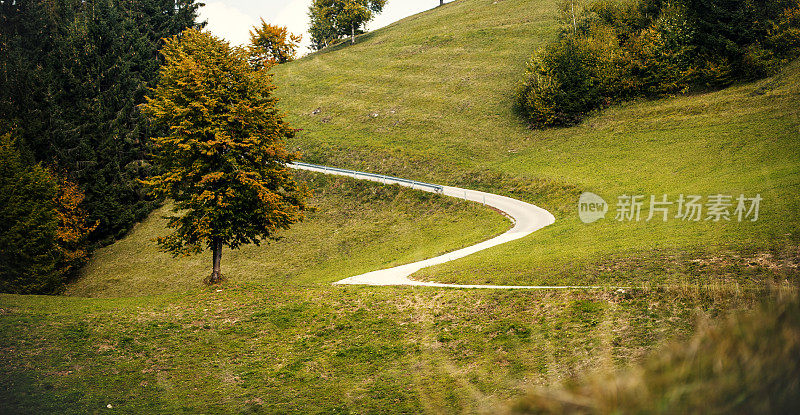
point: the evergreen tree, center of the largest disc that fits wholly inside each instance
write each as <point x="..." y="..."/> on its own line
<point x="28" y="224"/>
<point x="75" y="73"/>
<point x="42" y="228"/>
<point x="222" y="159"/>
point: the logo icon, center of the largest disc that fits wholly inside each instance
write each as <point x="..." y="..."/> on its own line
<point x="591" y="207"/>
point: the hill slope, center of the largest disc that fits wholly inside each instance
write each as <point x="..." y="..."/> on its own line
<point x="430" y="97"/>
<point x="358" y="227"/>
<point x="440" y="84"/>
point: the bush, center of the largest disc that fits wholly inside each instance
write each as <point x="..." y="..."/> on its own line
<point x="42" y="228"/>
<point x="615" y="51"/>
<point x="569" y="78"/>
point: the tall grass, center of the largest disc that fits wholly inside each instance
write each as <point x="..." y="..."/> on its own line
<point x="749" y="363"/>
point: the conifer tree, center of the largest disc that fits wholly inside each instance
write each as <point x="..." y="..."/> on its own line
<point x="27" y="224"/>
<point x="222" y="160"/>
<point x="42" y="228"/>
<point x="72" y="74"/>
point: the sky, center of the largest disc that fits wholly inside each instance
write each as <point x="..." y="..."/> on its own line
<point x="232" y="19"/>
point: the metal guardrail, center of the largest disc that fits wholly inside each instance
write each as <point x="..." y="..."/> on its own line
<point x="435" y="187"/>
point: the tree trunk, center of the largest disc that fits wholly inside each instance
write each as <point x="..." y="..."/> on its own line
<point x="441" y="2"/>
<point x="353" y="34"/>
<point x="216" y="273"/>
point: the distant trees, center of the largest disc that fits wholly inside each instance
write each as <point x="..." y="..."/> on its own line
<point x="272" y="45"/>
<point x="221" y="158"/>
<point x="42" y="228"/>
<point x="614" y="50"/>
<point x="334" y="19"/>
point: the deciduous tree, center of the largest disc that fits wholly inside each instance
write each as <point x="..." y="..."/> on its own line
<point x="272" y="45"/>
<point x="334" y="19"/>
<point x="73" y="226"/>
<point x="223" y="161"/>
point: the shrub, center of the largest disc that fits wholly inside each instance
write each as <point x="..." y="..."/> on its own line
<point x="569" y="78"/>
<point x="42" y="228"/>
<point x="614" y="51"/>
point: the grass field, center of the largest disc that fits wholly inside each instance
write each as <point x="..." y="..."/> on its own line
<point x="430" y="98"/>
<point x="357" y="227"/>
<point x="255" y="348"/>
<point x="746" y="363"/>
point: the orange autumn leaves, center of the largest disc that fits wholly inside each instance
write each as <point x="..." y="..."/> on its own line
<point x="73" y="226"/>
<point x="43" y="228"/>
<point x="221" y="159"/>
<point x="272" y="45"/>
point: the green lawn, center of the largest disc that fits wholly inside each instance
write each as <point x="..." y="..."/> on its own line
<point x="255" y="348"/>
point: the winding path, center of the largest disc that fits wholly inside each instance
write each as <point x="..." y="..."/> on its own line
<point x="526" y="217"/>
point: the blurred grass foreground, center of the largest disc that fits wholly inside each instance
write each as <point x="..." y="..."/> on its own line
<point x="749" y="363"/>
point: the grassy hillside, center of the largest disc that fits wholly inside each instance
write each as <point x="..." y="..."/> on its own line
<point x="251" y="348"/>
<point x="358" y="227"/>
<point x="748" y="363"/>
<point x="430" y="97"/>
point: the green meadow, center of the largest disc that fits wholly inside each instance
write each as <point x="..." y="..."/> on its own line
<point x="431" y="98"/>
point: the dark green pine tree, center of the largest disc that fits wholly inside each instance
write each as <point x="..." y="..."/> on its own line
<point x="28" y="224"/>
<point x="76" y="73"/>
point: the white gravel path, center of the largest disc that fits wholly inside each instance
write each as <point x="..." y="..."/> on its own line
<point x="526" y="217"/>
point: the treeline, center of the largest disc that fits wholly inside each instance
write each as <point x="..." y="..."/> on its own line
<point x="72" y="75"/>
<point x="610" y="51"/>
<point x="332" y="20"/>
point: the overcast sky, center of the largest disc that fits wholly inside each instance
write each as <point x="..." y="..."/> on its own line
<point x="232" y="19"/>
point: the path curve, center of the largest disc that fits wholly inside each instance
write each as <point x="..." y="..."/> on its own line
<point x="526" y="217"/>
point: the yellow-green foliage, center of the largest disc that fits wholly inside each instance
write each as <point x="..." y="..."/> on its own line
<point x="567" y="78"/>
<point x="272" y="45"/>
<point x="223" y="159"/>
